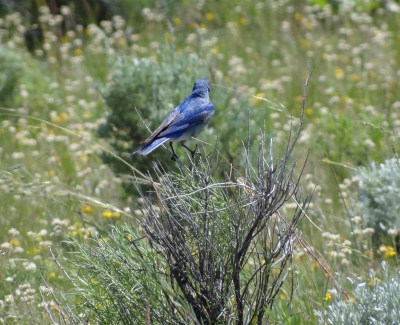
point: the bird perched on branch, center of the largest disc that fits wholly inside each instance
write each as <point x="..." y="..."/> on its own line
<point x="185" y="121"/>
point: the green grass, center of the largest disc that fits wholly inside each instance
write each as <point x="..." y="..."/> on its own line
<point x="54" y="184"/>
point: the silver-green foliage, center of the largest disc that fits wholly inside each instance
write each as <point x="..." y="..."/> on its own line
<point x="10" y="69"/>
<point x="379" y="195"/>
<point x="375" y="302"/>
<point x="118" y="280"/>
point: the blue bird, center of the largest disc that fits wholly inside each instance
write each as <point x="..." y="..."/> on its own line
<point x="185" y="121"/>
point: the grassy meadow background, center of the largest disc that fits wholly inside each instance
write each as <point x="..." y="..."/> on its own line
<point x="78" y="89"/>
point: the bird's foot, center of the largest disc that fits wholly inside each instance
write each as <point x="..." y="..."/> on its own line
<point x="192" y="152"/>
<point x="174" y="157"/>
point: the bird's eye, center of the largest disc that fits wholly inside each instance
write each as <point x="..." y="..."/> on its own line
<point x="209" y="89"/>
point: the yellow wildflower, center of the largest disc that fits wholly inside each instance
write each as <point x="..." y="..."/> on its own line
<point x="309" y="111"/>
<point x="328" y="297"/>
<point x="243" y="21"/>
<point x="389" y="252"/>
<point x="34" y="251"/>
<point x="283" y="296"/>
<point x="77" y="52"/>
<point x="15" y="242"/>
<point x="169" y="37"/>
<point x="56" y="119"/>
<point x="176" y="21"/>
<point x="52" y="275"/>
<point x="74" y="233"/>
<point x="339" y="73"/>
<point x="315" y="265"/>
<point x="64" y="116"/>
<point x="209" y="16"/>
<point x="107" y="214"/>
<point x="111" y="214"/>
<point x="374" y="281"/>
<point x="297" y="16"/>
<point x="115" y="215"/>
<point x="87" y="209"/>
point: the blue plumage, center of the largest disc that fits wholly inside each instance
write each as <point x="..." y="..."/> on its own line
<point x="185" y="121"/>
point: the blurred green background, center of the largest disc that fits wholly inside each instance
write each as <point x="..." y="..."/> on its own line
<point x="82" y="82"/>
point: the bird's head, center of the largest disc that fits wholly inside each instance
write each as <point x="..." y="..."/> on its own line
<point x="201" y="88"/>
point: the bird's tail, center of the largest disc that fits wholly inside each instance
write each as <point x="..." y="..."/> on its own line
<point x="149" y="147"/>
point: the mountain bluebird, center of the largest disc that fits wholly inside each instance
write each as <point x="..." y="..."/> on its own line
<point x="186" y="120"/>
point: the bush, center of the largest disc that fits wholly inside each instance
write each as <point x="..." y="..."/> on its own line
<point x="212" y="252"/>
<point x="227" y="247"/>
<point x="379" y="195"/>
<point x="117" y="280"/>
<point x="10" y="69"/>
<point x="375" y="302"/>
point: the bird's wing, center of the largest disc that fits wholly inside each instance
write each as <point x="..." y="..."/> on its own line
<point x="189" y="118"/>
<point x="188" y="113"/>
<point x="168" y="120"/>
